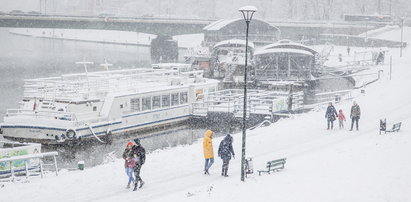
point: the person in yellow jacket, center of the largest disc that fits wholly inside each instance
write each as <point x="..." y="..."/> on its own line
<point x="208" y="150"/>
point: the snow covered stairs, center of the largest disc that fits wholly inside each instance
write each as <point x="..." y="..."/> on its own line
<point x="273" y="166"/>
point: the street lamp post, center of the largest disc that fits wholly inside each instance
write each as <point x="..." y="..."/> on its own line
<point x="402" y="31"/>
<point x="248" y="12"/>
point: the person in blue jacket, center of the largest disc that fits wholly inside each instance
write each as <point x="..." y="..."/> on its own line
<point x="330" y="115"/>
<point x="225" y="150"/>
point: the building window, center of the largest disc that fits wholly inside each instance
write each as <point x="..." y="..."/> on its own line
<point x="211" y="90"/>
<point x="146" y="103"/>
<point x="174" y="99"/>
<point x="165" y="100"/>
<point x="183" y="97"/>
<point x="156" y="102"/>
<point x="135" y="104"/>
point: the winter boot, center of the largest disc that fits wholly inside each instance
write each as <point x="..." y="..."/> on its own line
<point x="225" y="172"/>
<point x="222" y="172"/>
<point x="135" y="186"/>
<point x="141" y="183"/>
<point x="128" y="186"/>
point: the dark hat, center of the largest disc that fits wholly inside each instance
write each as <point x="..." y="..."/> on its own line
<point x="137" y="141"/>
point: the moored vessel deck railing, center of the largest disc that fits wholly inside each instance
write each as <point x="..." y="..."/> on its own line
<point x="98" y="84"/>
<point x="42" y="114"/>
<point x="79" y="118"/>
<point x="258" y="102"/>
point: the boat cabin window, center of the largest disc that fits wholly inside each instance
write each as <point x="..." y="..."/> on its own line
<point x="165" y="100"/>
<point x="183" y="97"/>
<point x="94" y="108"/>
<point x="121" y="106"/>
<point x="146" y="103"/>
<point x="135" y="104"/>
<point x="156" y="102"/>
<point x="174" y="99"/>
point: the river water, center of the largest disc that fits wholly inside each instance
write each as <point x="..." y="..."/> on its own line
<point x="23" y="57"/>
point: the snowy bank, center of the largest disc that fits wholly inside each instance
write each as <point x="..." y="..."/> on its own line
<point x="322" y="165"/>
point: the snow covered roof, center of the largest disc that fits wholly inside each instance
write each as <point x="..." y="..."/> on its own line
<point x="220" y="24"/>
<point x="248" y="8"/>
<point x="288" y="44"/>
<point x="233" y="42"/>
<point x="282" y="50"/>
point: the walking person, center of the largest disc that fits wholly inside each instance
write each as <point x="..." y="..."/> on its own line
<point x="341" y="118"/>
<point x="225" y="150"/>
<point x="330" y="115"/>
<point x="138" y="153"/>
<point x="355" y="115"/>
<point x="208" y="150"/>
<point x="129" y="163"/>
<point x="348" y="50"/>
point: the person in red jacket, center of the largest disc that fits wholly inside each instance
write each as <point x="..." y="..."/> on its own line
<point x="129" y="163"/>
<point x="341" y="118"/>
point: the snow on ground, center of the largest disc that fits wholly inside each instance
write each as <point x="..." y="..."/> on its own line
<point x="322" y="165"/>
<point x="189" y="40"/>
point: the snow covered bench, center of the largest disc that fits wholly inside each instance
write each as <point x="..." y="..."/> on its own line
<point x="273" y="166"/>
<point x="383" y="127"/>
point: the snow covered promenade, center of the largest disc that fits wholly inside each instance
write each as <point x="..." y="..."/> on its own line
<point x="322" y="165"/>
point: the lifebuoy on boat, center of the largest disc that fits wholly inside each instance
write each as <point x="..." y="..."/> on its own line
<point x="71" y="134"/>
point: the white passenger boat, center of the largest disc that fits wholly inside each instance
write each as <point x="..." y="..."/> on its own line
<point x="94" y="104"/>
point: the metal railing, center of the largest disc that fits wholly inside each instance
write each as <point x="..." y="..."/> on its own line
<point x="42" y="114"/>
<point x="259" y="102"/>
<point x="26" y="158"/>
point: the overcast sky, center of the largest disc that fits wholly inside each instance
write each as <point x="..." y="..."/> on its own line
<point x="267" y="9"/>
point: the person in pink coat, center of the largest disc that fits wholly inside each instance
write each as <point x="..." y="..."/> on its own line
<point x="341" y="118"/>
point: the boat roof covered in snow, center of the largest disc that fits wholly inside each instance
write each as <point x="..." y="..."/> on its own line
<point x="288" y="44"/>
<point x="282" y="50"/>
<point x="233" y="43"/>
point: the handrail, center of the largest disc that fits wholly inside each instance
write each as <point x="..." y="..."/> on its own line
<point x="29" y="156"/>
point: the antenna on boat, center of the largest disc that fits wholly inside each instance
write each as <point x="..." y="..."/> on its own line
<point x="85" y="69"/>
<point x="106" y="65"/>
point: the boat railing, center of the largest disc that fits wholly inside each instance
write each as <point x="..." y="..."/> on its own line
<point x="97" y="85"/>
<point x="258" y="102"/>
<point x="273" y="74"/>
<point x="90" y="118"/>
<point x="42" y="114"/>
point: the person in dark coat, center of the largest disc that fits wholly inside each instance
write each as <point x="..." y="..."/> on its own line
<point x="330" y="115"/>
<point x="355" y="115"/>
<point x="225" y="150"/>
<point x="138" y="153"/>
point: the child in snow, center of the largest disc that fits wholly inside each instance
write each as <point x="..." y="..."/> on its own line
<point x="341" y="118"/>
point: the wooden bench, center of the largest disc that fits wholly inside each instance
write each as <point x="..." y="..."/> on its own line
<point x="273" y="166"/>
<point x="383" y="126"/>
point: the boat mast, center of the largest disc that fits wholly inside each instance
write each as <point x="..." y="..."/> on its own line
<point x="106" y="65"/>
<point x="85" y="69"/>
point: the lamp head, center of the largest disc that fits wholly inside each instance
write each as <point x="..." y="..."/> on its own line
<point x="248" y="12"/>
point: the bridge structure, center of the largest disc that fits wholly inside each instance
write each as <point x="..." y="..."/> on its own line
<point x="174" y="26"/>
